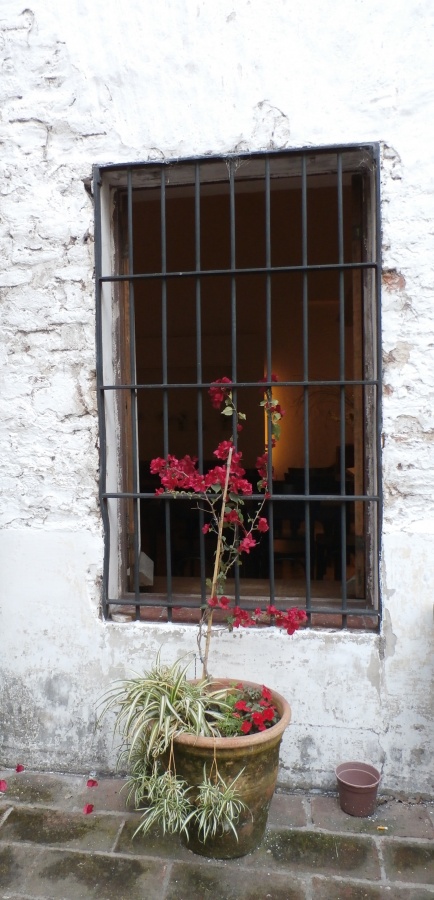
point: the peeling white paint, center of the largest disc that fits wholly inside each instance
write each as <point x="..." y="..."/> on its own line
<point x="85" y="83"/>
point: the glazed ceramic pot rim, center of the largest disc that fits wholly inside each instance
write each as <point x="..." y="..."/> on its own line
<point x="240" y="741"/>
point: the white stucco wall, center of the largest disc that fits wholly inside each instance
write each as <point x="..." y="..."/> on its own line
<point x="97" y="82"/>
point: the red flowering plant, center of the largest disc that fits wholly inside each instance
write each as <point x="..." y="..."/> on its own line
<point x="221" y="494"/>
<point x="251" y="710"/>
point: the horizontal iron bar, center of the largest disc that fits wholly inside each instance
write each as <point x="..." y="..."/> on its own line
<point x="256" y="270"/>
<point x="369" y="382"/>
<point x="150" y="601"/>
<point x="280" y="498"/>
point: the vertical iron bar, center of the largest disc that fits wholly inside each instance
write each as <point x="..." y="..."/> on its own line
<point x="133" y="393"/>
<point x="234" y="348"/>
<point x="309" y="531"/>
<point x="269" y="356"/>
<point x="199" y="370"/>
<point x="164" y="379"/>
<point x="234" y="374"/>
<point x="100" y="382"/>
<point x="342" y="389"/>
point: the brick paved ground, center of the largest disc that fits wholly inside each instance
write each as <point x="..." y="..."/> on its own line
<point x="50" y="850"/>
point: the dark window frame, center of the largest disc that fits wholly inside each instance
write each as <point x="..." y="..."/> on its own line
<point x="124" y="177"/>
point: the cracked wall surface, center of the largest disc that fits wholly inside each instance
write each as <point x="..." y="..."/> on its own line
<point x="83" y="83"/>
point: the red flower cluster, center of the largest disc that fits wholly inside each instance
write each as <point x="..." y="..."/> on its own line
<point x="255" y="710"/>
<point x="232" y="517"/>
<point x="177" y="474"/>
<point x="218" y="395"/>
<point x="182" y="475"/>
<point x="221" y="602"/>
<point x="240" y="617"/>
<point x="274" y="377"/>
<point x="223" y="449"/>
<point x="290" y="620"/>
<point x="246" y="544"/>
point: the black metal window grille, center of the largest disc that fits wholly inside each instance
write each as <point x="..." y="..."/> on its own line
<point x="240" y="266"/>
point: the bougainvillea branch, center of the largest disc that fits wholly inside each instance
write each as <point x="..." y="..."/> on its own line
<point x="218" y="554"/>
<point x="220" y="495"/>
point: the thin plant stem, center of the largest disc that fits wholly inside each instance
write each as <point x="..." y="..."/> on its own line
<point x="218" y="554"/>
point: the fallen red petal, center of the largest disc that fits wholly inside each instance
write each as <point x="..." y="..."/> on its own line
<point x="19" y="768"/>
<point x="92" y="782"/>
<point x="88" y="808"/>
<point x="3" y="787"/>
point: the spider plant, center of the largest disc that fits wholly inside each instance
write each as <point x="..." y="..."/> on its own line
<point x="139" y="766"/>
<point x="218" y="806"/>
<point x="216" y="809"/>
<point x="153" y="708"/>
<point x="169" y="805"/>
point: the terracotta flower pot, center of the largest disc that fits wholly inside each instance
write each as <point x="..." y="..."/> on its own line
<point x="358" y="784"/>
<point x="258" y="755"/>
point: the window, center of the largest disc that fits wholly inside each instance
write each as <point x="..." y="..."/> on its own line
<point x="242" y="266"/>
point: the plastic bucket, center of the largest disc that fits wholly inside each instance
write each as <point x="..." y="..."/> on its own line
<point x="358" y="784"/>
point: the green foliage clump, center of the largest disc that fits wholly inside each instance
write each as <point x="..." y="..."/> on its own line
<point x="151" y="710"/>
